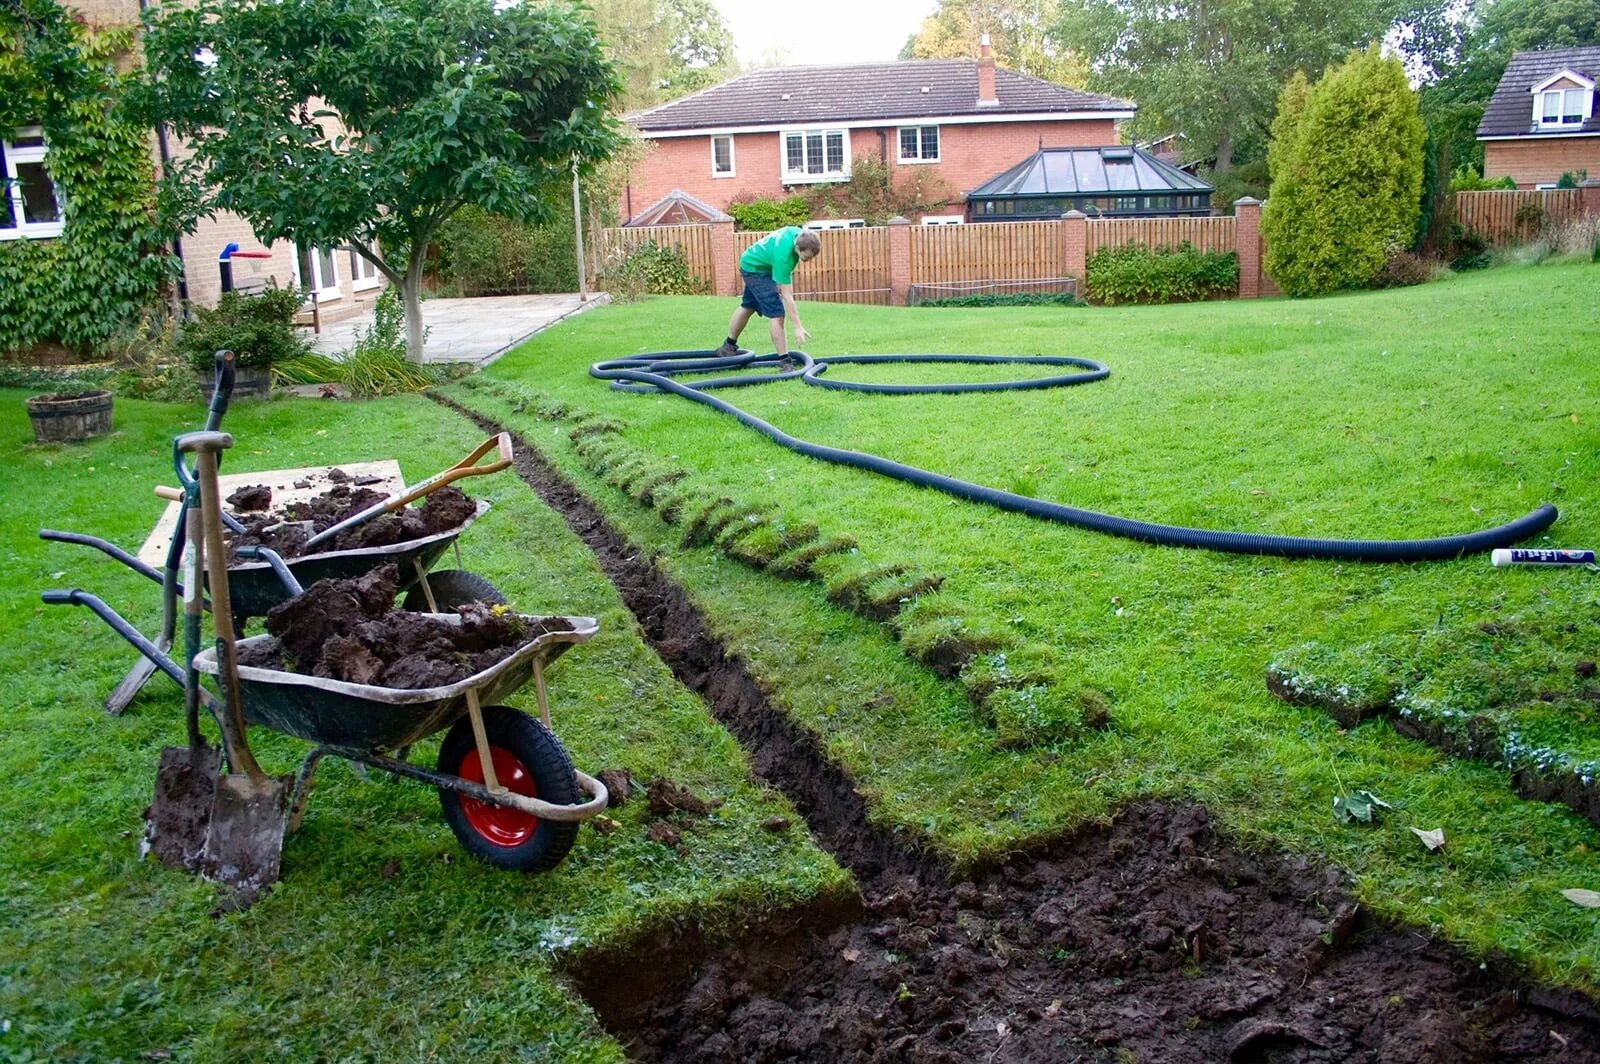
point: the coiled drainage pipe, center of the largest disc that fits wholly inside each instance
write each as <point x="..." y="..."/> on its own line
<point x="654" y="372"/>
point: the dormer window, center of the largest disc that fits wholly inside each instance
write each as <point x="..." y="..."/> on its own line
<point x="1563" y="101"/>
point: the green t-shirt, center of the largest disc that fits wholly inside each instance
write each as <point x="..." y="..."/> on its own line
<point x="773" y="254"/>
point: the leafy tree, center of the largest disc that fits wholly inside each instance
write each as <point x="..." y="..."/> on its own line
<point x="371" y="122"/>
<point x="1020" y="32"/>
<point x="1213" y="68"/>
<point x="665" y="48"/>
<point x="1348" y="191"/>
<point x="1286" y="123"/>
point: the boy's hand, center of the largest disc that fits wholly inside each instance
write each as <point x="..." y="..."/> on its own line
<point x="800" y="334"/>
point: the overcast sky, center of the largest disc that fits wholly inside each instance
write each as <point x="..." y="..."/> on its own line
<point x="823" y="31"/>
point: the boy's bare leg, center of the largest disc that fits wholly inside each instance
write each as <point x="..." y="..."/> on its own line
<point x="780" y="339"/>
<point x="740" y="319"/>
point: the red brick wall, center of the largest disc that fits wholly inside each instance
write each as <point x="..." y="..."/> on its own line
<point x="1531" y="163"/>
<point x="969" y="156"/>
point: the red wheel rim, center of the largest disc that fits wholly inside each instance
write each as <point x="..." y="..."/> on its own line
<point x="499" y="824"/>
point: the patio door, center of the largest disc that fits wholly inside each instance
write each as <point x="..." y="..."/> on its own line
<point x="363" y="274"/>
<point x="317" y="271"/>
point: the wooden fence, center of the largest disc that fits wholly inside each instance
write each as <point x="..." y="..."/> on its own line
<point x="1001" y="251"/>
<point x="1205" y="233"/>
<point x="693" y="240"/>
<point x="1510" y="216"/>
<point x="852" y="268"/>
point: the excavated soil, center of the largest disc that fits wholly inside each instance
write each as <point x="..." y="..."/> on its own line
<point x="1152" y="938"/>
<point x="286" y="531"/>
<point x="350" y="630"/>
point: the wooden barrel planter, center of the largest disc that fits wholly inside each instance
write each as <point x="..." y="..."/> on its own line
<point x="64" y="416"/>
<point x="249" y="382"/>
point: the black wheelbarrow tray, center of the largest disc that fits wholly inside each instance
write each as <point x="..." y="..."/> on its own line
<point x="508" y="788"/>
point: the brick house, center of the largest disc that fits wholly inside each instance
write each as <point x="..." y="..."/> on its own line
<point x="33" y="209"/>
<point x="770" y="132"/>
<point x="1542" y="121"/>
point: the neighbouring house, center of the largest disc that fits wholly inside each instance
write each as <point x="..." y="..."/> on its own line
<point x="1114" y="181"/>
<point x="769" y="132"/>
<point x="677" y="208"/>
<point x="33" y="208"/>
<point x="1541" y="122"/>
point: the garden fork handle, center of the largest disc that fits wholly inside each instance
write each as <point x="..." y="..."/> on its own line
<point x="467" y="467"/>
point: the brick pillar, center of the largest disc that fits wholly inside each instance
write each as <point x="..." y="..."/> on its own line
<point x="1589" y="197"/>
<point x="899" y="260"/>
<point x="1075" y="246"/>
<point x="1247" y="237"/>
<point x="724" y="259"/>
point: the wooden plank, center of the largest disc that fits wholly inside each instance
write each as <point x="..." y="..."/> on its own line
<point x="1010" y="254"/>
<point x="1217" y="233"/>
<point x="1510" y="216"/>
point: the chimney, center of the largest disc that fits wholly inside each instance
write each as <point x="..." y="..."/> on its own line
<point x="986" y="96"/>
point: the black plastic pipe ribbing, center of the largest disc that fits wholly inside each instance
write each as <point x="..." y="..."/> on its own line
<point x="654" y="372"/>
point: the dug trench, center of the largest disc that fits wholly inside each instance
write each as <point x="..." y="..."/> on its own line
<point x="1151" y="938"/>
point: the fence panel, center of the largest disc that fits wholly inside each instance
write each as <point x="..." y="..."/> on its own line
<point x="992" y="251"/>
<point x="1205" y="233"/>
<point x="1509" y="216"/>
<point x="853" y="266"/>
<point x="693" y="240"/>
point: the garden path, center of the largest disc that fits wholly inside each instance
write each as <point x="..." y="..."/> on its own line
<point x="476" y="330"/>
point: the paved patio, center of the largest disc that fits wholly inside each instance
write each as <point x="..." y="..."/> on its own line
<point x="470" y="330"/>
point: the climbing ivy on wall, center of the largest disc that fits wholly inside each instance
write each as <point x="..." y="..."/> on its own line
<point x="109" y="265"/>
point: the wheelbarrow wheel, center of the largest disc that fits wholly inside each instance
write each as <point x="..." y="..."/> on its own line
<point x="528" y="760"/>
<point x="452" y="588"/>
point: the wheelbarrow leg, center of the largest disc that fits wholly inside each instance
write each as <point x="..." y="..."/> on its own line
<point x="302" y="784"/>
<point x="132" y="682"/>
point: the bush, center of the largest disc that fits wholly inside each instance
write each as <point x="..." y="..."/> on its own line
<point x="1137" y="274"/>
<point x="1469" y="249"/>
<point x="376" y="363"/>
<point x="1572" y="179"/>
<point x="1348" y="191"/>
<point x="649" y="269"/>
<point x="764" y="215"/>
<point x="1007" y="299"/>
<point x="258" y="329"/>
<point x="1467" y="179"/>
<point x="483" y="254"/>
<point x="1403" y="270"/>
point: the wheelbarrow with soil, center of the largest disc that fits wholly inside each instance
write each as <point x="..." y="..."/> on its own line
<point x="506" y="784"/>
<point x="255" y="588"/>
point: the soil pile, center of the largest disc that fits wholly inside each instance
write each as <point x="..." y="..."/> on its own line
<point x="349" y="630"/>
<point x="287" y="531"/>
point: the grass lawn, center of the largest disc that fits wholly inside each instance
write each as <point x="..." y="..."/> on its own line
<point x="385" y="941"/>
<point x="1445" y="408"/>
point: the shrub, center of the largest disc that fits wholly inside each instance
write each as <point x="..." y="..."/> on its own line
<point x="1469" y="249"/>
<point x="483" y="254"/>
<point x="1006" y="299"/>
<point x="258" y="329"/>
<point x="1572" y="179"/>
<point x="1403" y="270"/>
<point x="1349" y="189"/>
<point x="1467" y="179"/>
<point x="1137" y="274"/>
<point x="376" y="363"/>
<point x="763" y="215"/>
<point x="649" y="269"/>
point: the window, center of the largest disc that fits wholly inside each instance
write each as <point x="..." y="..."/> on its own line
<point x="823" y="224"/>
<point x="721" y="156"/>
<point x="316" y="269"/>
<point x="815" y="155"/>
<point x="919" y="144"/>
<point x="363" y="274"/>
<point x="29" y="204"/>
<point x="1563" y="100"/>
<point x="943" y="219"/>
<point x="1126" y="203"/>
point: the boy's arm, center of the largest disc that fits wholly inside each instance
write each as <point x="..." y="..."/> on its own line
<point x="786" y="293"/>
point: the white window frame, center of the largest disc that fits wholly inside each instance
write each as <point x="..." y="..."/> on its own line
<point x="938" y="145"/>
<point x="324" y="291"/>
<point x="944" y="219"/>
<point x="790" y="177"/>
<point x="822" y="225"/>
<point x="358" y="266"/>
<point x="12" y="190"/>
<point x="732" y="163"/>
<point x="1583" y="86"/>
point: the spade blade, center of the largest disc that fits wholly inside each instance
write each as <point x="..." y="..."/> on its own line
<point x="179" y="815"/>
<point x="244" y="841"/>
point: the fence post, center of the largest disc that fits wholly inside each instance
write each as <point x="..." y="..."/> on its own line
<point x="724" y="259"/>
<point x="1247" y="240"/>
<point x="899" y="261"/>
<point x="1075" y="247"/>
<point x="1589" y="197"/>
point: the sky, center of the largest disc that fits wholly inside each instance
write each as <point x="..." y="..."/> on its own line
<point x="812" y="31"/>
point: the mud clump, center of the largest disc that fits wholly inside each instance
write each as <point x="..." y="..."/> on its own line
<point x="349" y="630"/>
<point x="619" y="785"/>
<point x="253" y="497"/>
<point x="667" y="796"/>
<point x="286" y="532"/>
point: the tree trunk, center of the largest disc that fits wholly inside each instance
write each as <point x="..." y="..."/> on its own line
<point x="411" y="296"/>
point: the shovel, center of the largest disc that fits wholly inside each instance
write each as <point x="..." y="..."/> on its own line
<point x="229" y="827"/>
<point x="467" y="467"/>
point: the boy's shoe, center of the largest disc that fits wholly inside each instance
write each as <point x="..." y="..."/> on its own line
<point x="727" y="350"/>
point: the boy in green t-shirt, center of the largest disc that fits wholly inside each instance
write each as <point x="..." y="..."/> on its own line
<point x="768" y="270"/>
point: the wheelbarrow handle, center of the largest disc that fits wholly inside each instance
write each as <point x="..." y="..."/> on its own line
<point x="467" y="467"/>
<point x="95" y="604"/>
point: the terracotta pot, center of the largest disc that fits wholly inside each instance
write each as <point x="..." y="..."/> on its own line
<point x="63" y="416"/>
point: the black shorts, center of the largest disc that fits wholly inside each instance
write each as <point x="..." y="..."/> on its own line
<point x="761" y="295"/>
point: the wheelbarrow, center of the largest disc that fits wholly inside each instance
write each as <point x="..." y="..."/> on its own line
<point x="506" y="784"/>
<point x="255" y="589"/>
